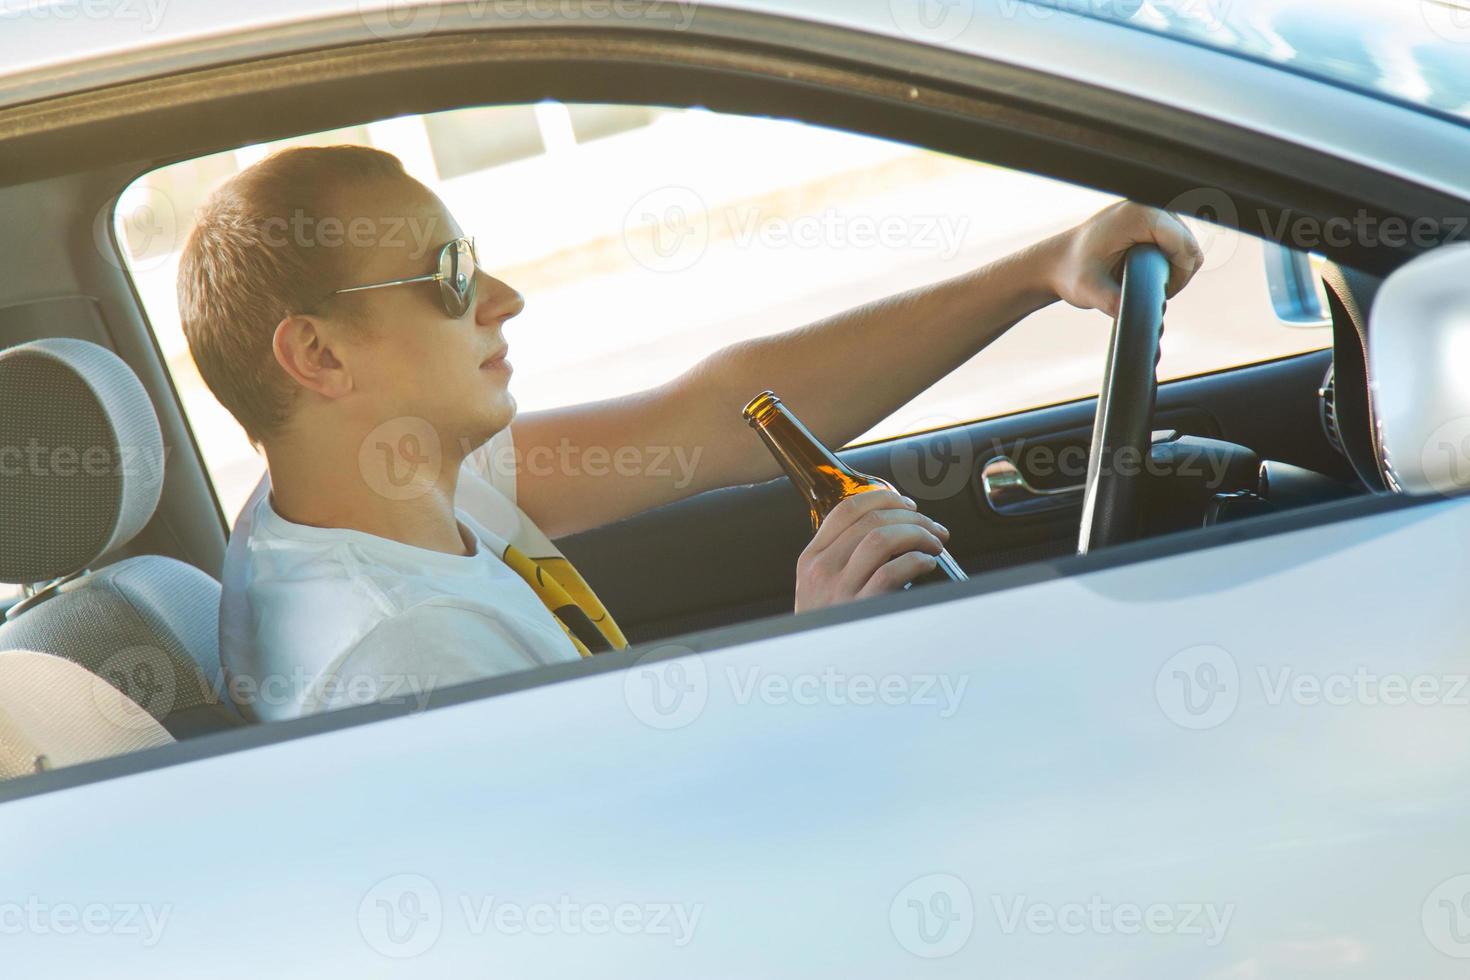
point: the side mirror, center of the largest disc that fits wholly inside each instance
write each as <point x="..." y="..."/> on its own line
<point x="1419" y="372"/>
<point x="1293" y="285"/>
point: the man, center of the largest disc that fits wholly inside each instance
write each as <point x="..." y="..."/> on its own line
<point x="353" y="357"/>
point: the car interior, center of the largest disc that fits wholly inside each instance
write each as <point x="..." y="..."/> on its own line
<point x="117" y="561"/>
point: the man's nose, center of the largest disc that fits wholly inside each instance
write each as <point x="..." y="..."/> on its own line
<point x="498" y="302"/>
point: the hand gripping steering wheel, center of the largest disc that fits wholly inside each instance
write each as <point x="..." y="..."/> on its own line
<point x="1121" y="433"/>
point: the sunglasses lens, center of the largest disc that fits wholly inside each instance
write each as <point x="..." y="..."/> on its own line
<point x="457" y="267"/>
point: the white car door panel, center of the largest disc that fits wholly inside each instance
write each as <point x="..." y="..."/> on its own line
<point x="1244" y="760"/>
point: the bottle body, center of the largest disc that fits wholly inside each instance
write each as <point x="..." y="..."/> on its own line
<point x="823" y="480"/>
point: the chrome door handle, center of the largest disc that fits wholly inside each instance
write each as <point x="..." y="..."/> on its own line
<point x="1010" y="495"/>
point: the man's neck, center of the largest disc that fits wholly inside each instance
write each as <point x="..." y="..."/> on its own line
<point x="331" y="483"/>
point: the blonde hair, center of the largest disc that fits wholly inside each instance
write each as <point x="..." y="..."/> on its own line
<point x="242" y="271"/>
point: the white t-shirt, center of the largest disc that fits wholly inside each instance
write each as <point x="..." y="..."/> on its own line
<point x="320" y="618"/>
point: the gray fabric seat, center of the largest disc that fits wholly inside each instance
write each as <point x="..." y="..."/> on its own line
<point x="54" y="714"/>
<point x="81" y="471"/>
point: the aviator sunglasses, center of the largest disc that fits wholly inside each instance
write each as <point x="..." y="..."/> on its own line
<point x="455" y="276"/>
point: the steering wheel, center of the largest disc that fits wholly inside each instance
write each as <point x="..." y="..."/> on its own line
<point x="1111" y="499"/>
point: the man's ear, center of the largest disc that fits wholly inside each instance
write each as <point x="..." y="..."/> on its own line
<point x="303" y="349"/>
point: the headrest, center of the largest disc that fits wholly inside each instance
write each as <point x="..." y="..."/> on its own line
<point x="81" y="458"/>
<point x="1419" y="350"/>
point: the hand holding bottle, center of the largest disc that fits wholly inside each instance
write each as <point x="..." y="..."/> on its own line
<point x="871" y="543"/>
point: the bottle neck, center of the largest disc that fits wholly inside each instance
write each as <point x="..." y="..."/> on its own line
<point x="822" y="478"/>
<point x="793" y="445"/>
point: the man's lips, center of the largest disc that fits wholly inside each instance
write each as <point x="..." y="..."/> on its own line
<point x="497" y="359"/>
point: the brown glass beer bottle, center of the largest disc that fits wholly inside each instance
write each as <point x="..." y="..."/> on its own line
<point x="822" y="479"/>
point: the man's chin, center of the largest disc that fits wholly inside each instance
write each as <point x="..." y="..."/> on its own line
<point x="497" y="416"/>
<point x="503" y="411"/>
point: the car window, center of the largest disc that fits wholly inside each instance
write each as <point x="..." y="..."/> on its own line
<point x="644" y="239"/>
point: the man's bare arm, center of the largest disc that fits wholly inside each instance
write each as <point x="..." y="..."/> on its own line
<point x="590" y="464"/>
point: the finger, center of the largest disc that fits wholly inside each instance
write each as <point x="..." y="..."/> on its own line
<point x="1174" y="239"/>
<point x="895" y="574"/>
<point x="851" y="510"/>
<point x="883" y="545"/>
<point x="1178" y="245"/>
<point x="839" y="553"/>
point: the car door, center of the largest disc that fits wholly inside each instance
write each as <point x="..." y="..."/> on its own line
<point x="1210" y="763"/>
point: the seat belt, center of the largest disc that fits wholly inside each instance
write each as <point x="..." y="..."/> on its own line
<point x="564" y="592"/>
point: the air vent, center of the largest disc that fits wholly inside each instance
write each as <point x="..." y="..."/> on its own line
<point x="1327" y="410"/>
